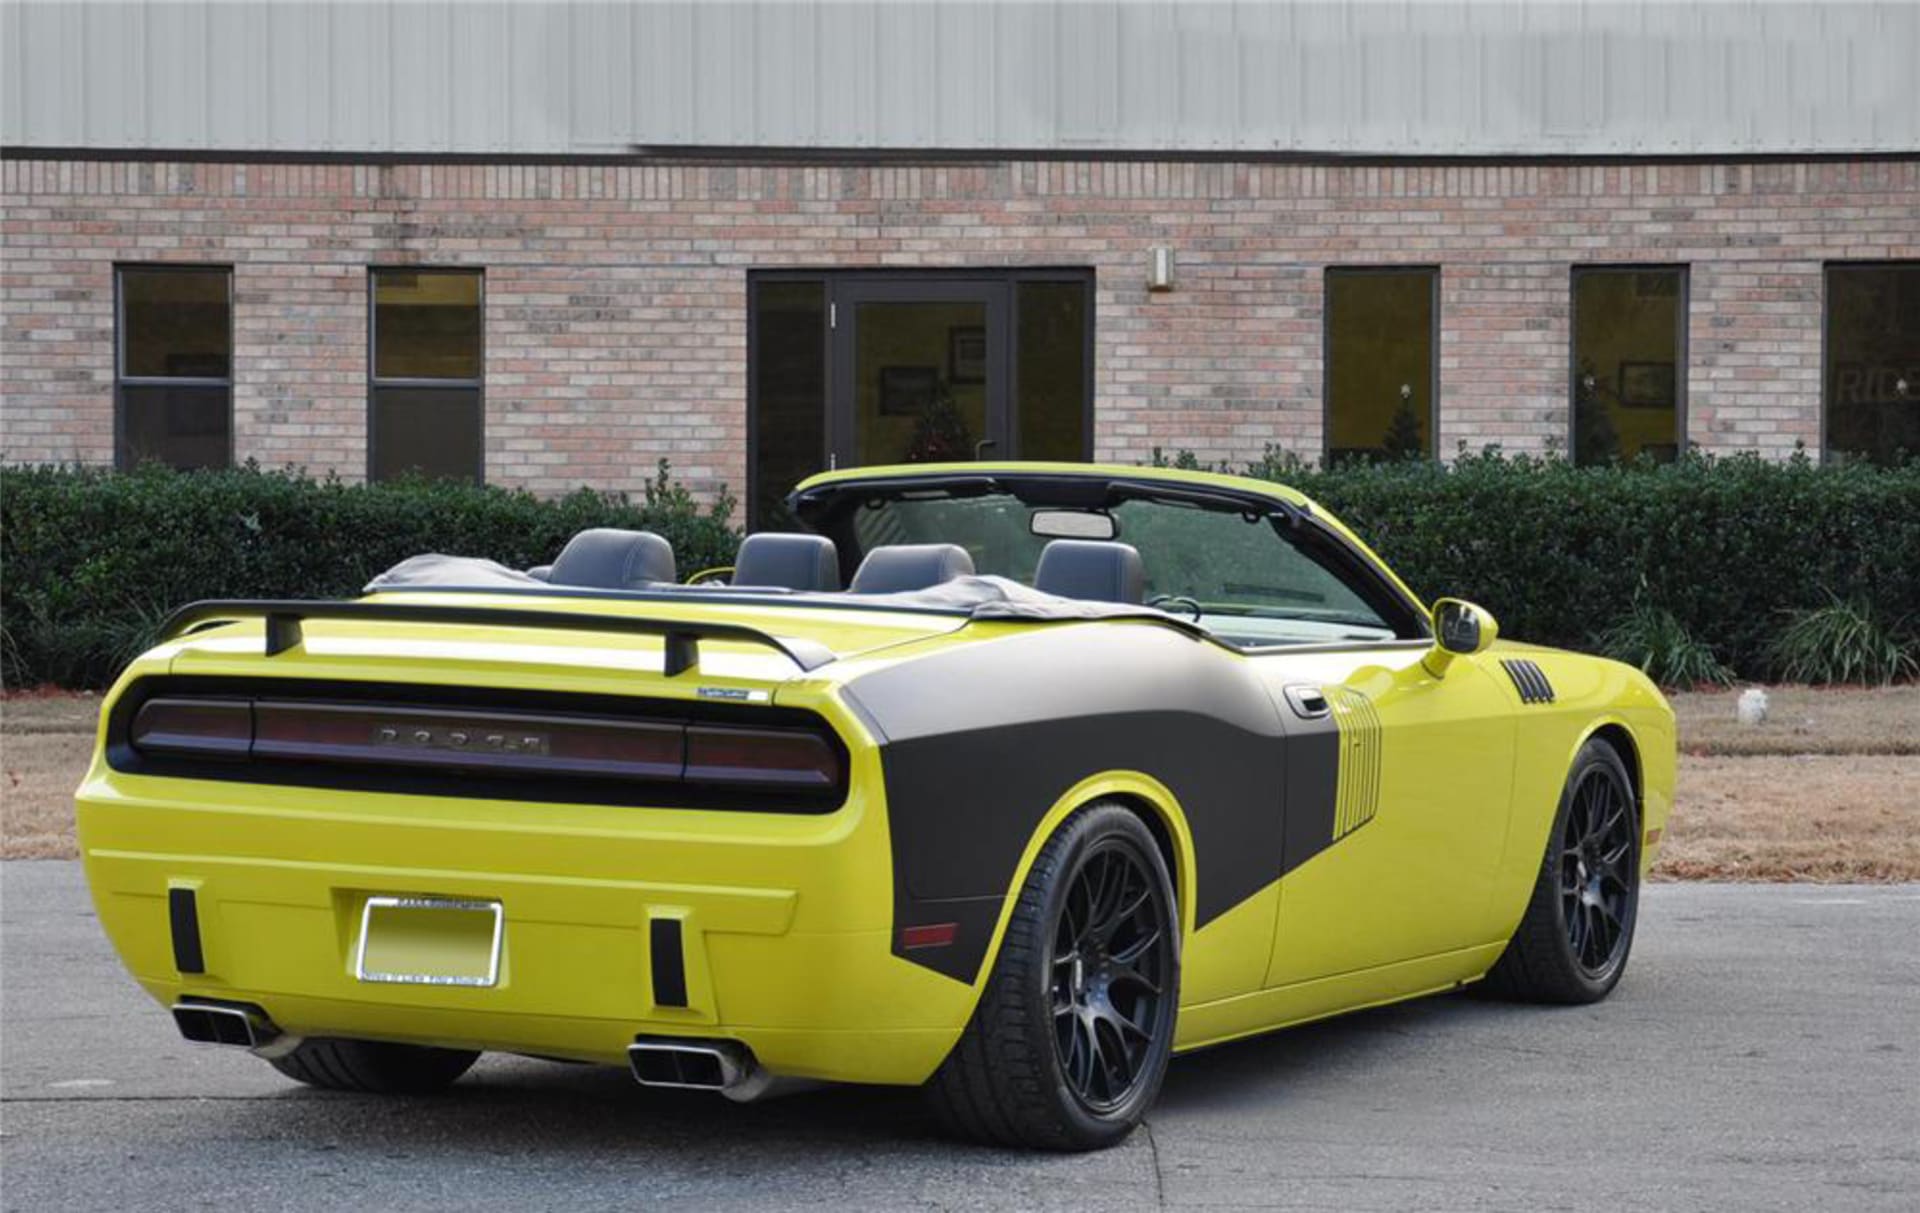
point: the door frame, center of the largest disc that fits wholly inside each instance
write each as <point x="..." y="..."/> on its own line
<point x="832" y="278"/>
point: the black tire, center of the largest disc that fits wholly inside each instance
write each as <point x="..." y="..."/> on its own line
<point x="374" y="1066"/>
<point x="1572" y="944"/>
<point x="1076" y="970"/>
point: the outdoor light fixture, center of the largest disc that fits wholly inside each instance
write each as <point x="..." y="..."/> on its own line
<point x="1160" y="268"/>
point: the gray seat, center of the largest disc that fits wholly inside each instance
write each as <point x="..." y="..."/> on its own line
<point x="910" y="566"/>
<point x="1092" y="570"/>
<point x="794" y="562"/>
<point x="607" y="559"/>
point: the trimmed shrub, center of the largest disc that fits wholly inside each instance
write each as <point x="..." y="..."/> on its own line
<point x="1561" y="554"/>
<point x="91" y="561"/>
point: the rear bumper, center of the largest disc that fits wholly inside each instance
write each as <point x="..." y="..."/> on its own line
<point x="784" y="921"/>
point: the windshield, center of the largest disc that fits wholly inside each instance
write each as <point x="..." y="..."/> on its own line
<point x="1243" y="575"/>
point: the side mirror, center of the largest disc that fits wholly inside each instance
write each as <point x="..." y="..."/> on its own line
<point x="1460" y="629"/>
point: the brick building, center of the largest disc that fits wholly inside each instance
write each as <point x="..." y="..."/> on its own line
<point x="299" y="264"/>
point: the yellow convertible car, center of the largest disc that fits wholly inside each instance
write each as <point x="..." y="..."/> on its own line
<point x="1011" y="780"/>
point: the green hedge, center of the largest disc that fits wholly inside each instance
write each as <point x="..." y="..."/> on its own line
<point x="90" y="561"/>
<point x="1730" y="548"/>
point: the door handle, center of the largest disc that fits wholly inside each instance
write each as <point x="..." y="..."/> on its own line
<point x="1308" y="700"/>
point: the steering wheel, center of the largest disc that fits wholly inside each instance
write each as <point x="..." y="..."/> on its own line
<point x="1189" y="605"/>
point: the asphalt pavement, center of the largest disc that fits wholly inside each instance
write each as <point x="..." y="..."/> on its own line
<point x="1763" y="1052"/>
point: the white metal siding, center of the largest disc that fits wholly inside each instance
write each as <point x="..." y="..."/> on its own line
<point x="591" y="77"/>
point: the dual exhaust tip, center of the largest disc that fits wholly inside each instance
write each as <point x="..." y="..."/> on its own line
<point x="725" y="1066"/>
<point x="241" y="1025"/>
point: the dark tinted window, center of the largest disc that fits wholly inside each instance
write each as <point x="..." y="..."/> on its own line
<point x="1051" y="372"/>
<point x="428" y="363"/>
<point x="174" y="389"/>
<point x="1873" y="361"/>
<point x="789" y="393"/>
<point x="1380" y="367"/>
<point x="1629" y="363"/>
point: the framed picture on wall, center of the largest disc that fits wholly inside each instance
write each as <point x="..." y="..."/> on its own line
<point x="967" y="354"/>
<point x="1647" y="385"/>
<point x="906" y="391"/>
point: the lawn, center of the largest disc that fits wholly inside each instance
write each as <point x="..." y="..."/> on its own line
<point x="1827" y="789"/>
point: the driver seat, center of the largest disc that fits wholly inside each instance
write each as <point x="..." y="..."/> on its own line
<point x="1093" y="570"/>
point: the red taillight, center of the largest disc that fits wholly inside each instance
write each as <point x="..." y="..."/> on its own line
<point x="797" y="761"/>
<point x="216" y="728"/>
<point x="792" y="758"/>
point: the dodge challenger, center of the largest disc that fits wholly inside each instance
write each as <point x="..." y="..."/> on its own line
<point x="1006" y="780"/>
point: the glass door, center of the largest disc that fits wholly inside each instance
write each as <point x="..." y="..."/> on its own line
<point x="920" y="372"/>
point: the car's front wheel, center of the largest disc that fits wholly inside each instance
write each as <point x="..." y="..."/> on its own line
<point x="1572" y="943"/>
<point x="1070" y="1041"/>
<point x="374" y="1066"/>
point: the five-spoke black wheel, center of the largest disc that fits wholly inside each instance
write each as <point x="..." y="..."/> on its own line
<point x="1070" y="1041"/>
<point x="1572" y="943"/>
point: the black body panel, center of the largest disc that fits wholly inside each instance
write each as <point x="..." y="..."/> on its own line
<point x="979" y="741"/>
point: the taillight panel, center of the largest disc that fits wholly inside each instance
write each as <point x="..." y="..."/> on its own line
<point x="481" y="743"/>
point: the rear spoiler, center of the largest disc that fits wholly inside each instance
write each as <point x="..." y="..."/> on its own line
<point x="283" y="618"/>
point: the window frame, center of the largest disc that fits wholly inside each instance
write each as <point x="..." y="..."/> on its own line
<point x="1683" y="352"/>
<point x="122" y="380"/>
<point x="1827" y="268"/>
<point x="1327" y="274"/>
<point x="375" y="381"/>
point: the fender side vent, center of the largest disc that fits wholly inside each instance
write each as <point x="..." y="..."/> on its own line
<point x="1529" y="681"/>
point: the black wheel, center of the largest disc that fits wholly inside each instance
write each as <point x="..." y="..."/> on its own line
<point x="1572" y="943"/>
<point x="1070" y="1041"/>
<point x="374" y="1066"/>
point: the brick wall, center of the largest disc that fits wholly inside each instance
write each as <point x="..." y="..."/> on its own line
<point x="616" y="329"/>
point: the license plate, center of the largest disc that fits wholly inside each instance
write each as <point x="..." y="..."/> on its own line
<point x="429" y="941"/>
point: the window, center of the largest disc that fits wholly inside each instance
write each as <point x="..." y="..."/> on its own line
<point x="174" y="367"/>
<point x="425" y="397"/>
<point x="1629" y="362"/>
<point x="1381" y="376"/>
<point x="1873" y="361"/>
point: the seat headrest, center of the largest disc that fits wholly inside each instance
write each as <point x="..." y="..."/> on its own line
<point x="607" y="559"/>
<point x="910" y="566"/>
<point x="1092" y="570"/>
<point x="795" y="562"/>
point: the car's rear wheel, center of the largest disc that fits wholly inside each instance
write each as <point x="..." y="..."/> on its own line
<point x="1572" y="943"/>
<point x="374" y="1066"/>
<point x="1070" y="1041"/>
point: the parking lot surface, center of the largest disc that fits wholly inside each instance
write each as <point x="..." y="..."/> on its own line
<point x="1762" y="1053"/>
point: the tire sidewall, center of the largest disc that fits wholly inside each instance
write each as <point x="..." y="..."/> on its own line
<point x="1087" y="832"/>
<point x="1594" y="754"/>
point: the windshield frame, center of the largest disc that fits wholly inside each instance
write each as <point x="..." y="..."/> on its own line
<point x="828" y="505"/>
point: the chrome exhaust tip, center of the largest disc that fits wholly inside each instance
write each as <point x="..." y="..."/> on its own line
<point x="700" y="1065"/>
<point x="237" y="1024"/>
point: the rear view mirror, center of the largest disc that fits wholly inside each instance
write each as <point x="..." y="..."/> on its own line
<point x="1072" y="524"/>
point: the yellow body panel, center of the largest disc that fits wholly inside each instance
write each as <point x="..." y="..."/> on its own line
<point x="789" y="918"/>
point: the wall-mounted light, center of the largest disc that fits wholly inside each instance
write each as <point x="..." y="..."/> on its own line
<point x="1160" y="268"/>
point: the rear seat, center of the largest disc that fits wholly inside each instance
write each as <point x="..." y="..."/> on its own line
<point x="607" y="559"/>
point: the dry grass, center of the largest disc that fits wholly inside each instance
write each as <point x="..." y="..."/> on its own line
<point x="1753" y="803"/>
<point x="1803" y="720"/>
<point x="1803" y="817"/>
<point x="40" y="772"/>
